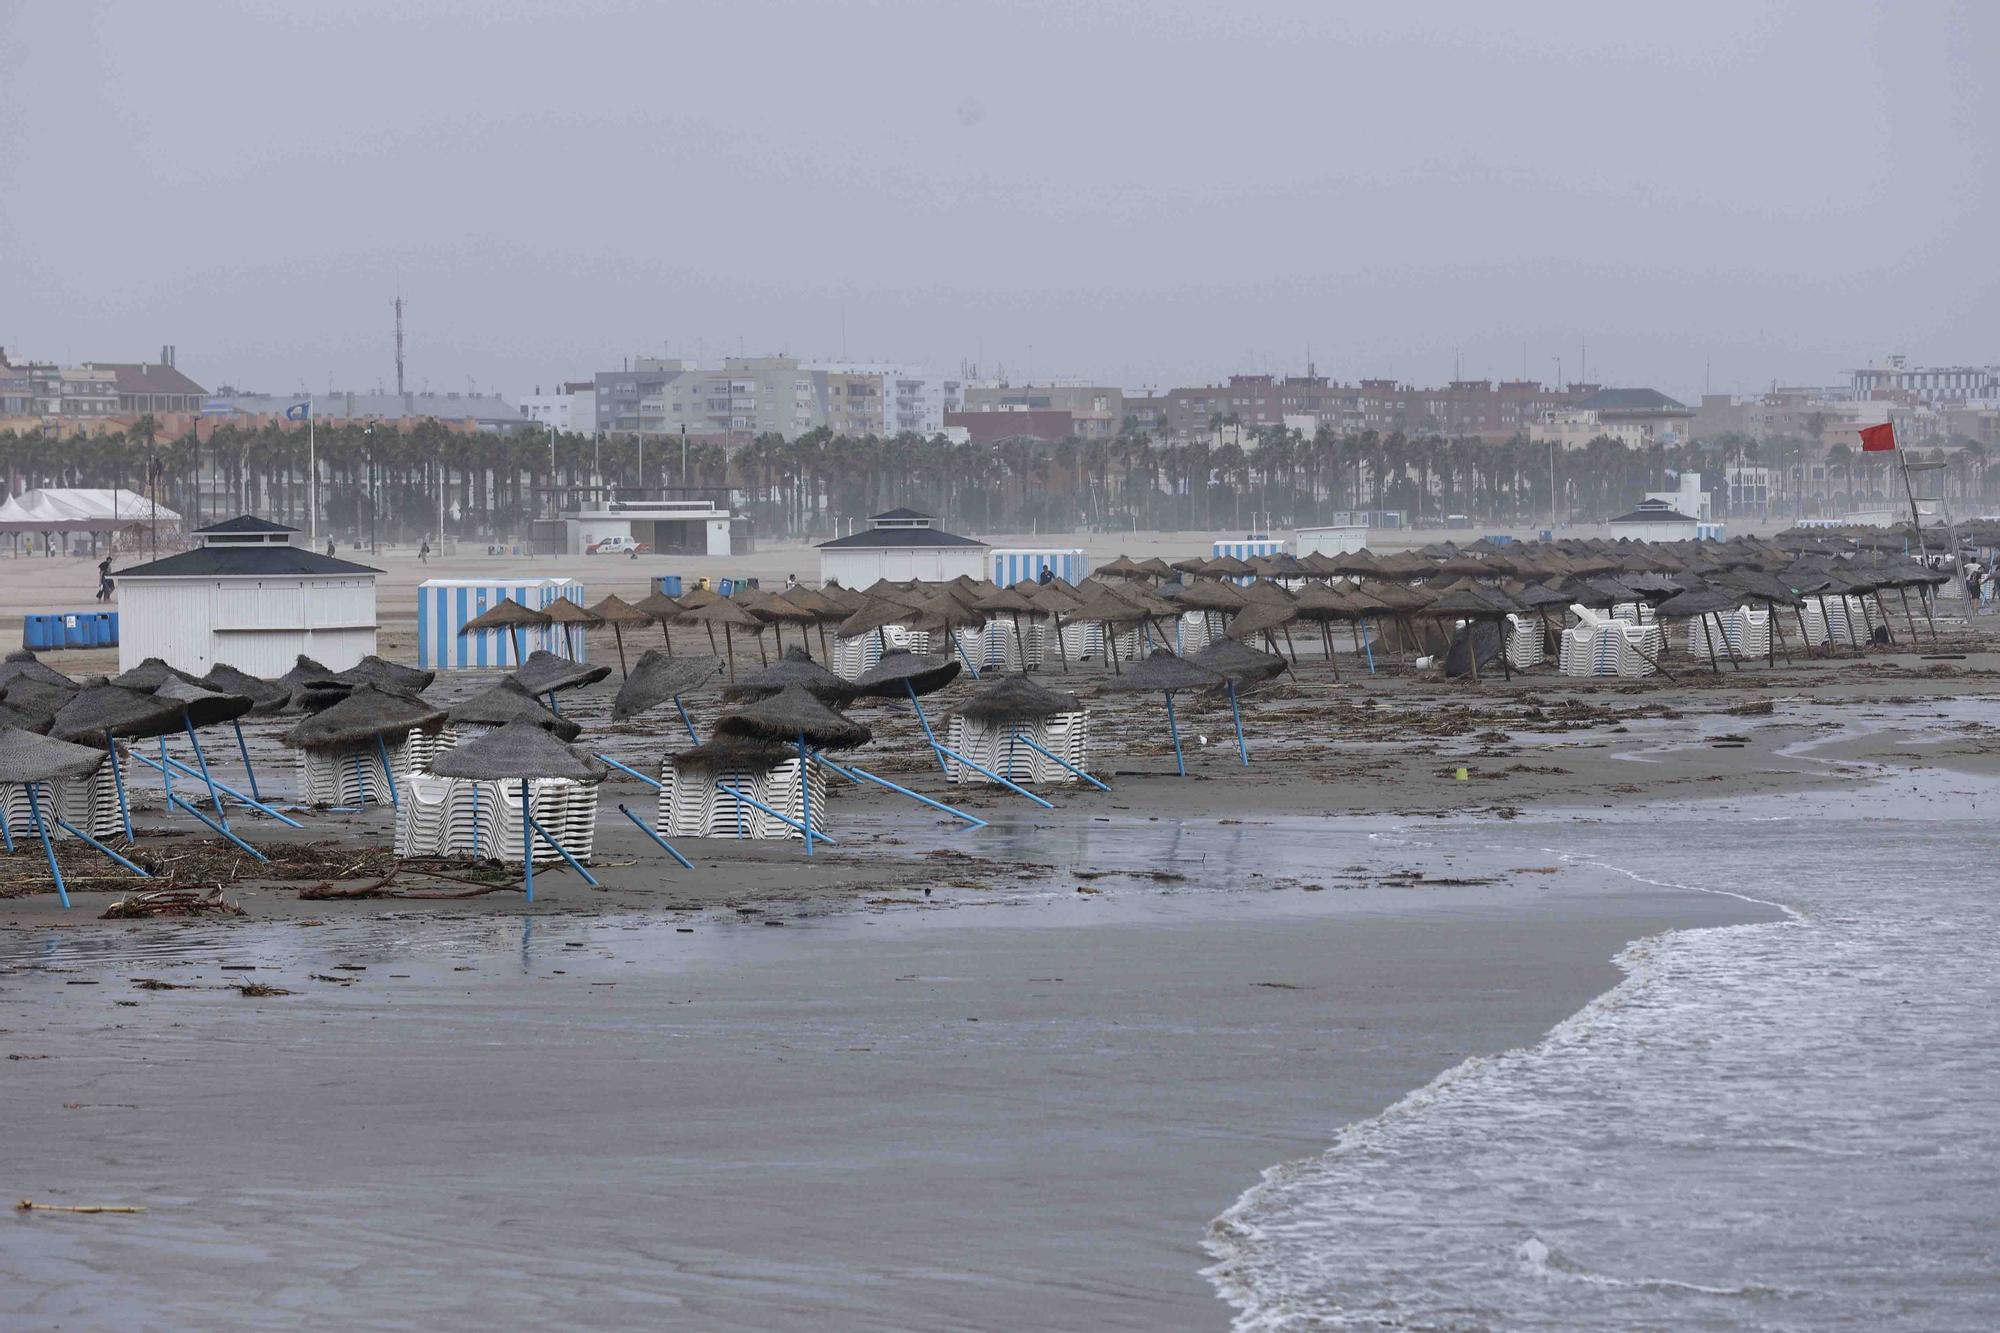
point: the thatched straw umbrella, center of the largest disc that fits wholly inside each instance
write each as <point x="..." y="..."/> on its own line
<point x="523" y="751"/>
<point x="776" y="611"/>
<point x="905" y="675"/>
<point x="720" y="611"/>
<point x="796" y="667"/>
<point x="1702" y="602"/>
<point x="567" y="613"/>
<point x="1009" y="602"/>
<point x="507" y="701"/>
<point x="1124" y="567"/>
<point x="98" y="715"/>
<point x="1212" y="597"/>
<point x="1322" y="605"/>
<point x="1757" y="586"/>
<point x="1476" y="606"/>
<point x="369" y="715"/>
<point x="792" y="714"/>
<point x="509" y="616"/>
<point x="1110" y="611"/>
<point x="34" y="761"/>
<point x="658" y="678"/>
<point x="1241" y="668"/>
<point x="1167" y="673"/>
<point x="305" y="669"/>
<point x="944" y="613"/>
<point x="266" y="696"/>
<point x="1261" y="617"/>
<point x="150" y="674"/>
<point x="824" y="608"/>
<point x="544" y="673"/>
<point x="615" y="611"/>
<point x="373" y="670"/>
<point x="24" y="665"/>
<point x="664" y="609"/>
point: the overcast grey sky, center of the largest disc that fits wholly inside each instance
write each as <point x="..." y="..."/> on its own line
<point x="1148" y="191"/>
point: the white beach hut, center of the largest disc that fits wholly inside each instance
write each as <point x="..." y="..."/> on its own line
<point x="1337" y="538"/>
<point x="900" y="545"/>
<point x="246" y="597"/>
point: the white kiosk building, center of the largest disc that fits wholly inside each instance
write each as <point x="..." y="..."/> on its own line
<point x="1346" y="534"/>
<point x="698" y="526"/>
<point x="247" y="597"/>
<point x="900" y="545"/>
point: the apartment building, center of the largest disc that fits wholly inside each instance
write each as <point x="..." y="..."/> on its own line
<point x="1096" y="410"/>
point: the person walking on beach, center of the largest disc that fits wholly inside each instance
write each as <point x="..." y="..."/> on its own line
<point x="424" y="552"/>
<point x="329" y="546"/>
<point x="1972" y="582"/>
<point x="104" y="579"/>
<point x="1047" y="576"/>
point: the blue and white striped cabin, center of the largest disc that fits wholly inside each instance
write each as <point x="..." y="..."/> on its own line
<point x="1249" y="548"/>
<point x="445" y="604"/>
<point x="1013" y="563"/>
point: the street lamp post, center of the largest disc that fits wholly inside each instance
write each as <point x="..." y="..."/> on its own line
<point x="684" y="456"/>
<point x="374" y="499"/>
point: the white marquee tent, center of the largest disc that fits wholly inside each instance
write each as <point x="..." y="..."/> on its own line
<point x="52" y="511"/>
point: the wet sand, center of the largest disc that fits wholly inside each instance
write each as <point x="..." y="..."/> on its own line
<point x="943" y="1116"/>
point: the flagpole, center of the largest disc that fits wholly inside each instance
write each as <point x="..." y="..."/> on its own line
<point x="1916" y="519"/>
<point x="312" y="472"/>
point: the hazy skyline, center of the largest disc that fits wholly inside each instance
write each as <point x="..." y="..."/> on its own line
<point x="1150" y="194"/>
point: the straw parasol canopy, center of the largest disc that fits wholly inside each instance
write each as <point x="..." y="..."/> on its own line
<point x="25" y="720"/>
<point x="95" y="714"/>
<point x="733" y="754"/>
<point x="150" y="674"/>
<point x="1227" y="567"/>
<point x="1156" y="567"/>
<point x="205" y="707"/>
<point x="509" y="617"/>
<point x="1208" y="595"/>
<point x="24" y="665"/>
<point x="566" y="612"/>
<point x="719" y="611"/>
<point x="31" y="695"/>
<point x="370" y="711"/>
<point x="1697" y="601"/>
<point x="504" y="702"/>
<point x="1124" y="567"/>
<point x="944" y="613"/>
<point x="1015" y="699"/>
<point x="266" y="696"/>
<point x="1246" y="666"/>
<point x="874" y="614"/>
<point x="1261" y="618"/>
<point x="518" y="750"/>
<point x="792" y="715"/>
<point x="796" y="667"/>
<point x="1165" y="672"/>
<point x="545" y="673"/>
<point x="659" y="679"/>
<point x="900" y="674"/>
<point x="27" y="757"/>
<point x="373" y="670"/>
<point x="616" y="612"/>
<point x="303" y="670"/>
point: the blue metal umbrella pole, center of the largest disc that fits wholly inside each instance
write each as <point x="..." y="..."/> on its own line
<point x="692" y="737"/>
<point x="243" y="748"/>
<point x="1173" y="729"/>
<point x="1367" y="646"/>
<point x="527" y="848"/>
<point x="48" y="848"/>
<point x="778" y="815"/>
<point x="388" y="771"/>
<point x="6" y="833"/>
<point x="652" y="782"/>
<point x="220" y="786"/>
<point x="805" y="794"/>
<point x="925" y="722"/>
<point x="176" y="803"/>
<point x="1236" y="715"/>
<point x="1008" y="783"/>
<point x="654" y="834"/>
<point x="213" y="795"/>
<point x="76" y="832"/>
<point x="118" y="780"/>
<point x="553" y="706"/>
<point x="562" y="851"/>
<point x="855" y="774"/>
<point x="1039" y="749"/>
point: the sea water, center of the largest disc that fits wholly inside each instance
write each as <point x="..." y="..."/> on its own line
<point x="1792" y="1125"/>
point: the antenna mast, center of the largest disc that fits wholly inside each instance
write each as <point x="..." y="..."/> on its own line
<point x="399" y="345"/>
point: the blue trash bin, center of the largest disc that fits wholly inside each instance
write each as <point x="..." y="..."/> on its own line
<point x="110" y="630"/>
<point x="76" y="630"/>
<point x="41" y="633"/>
<point x="670" y="584"/>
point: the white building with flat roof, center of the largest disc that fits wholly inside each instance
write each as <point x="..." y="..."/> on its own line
<point x="694" y="526"/>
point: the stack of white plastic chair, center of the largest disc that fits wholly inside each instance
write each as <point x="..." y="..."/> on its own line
<point x="1745" y="633"/>
<point x="467" y="817"/>
<point x="692" y="803"/>
<point x="1195" y="631"/>
<point x="994" y="647"/>
<point x="89" y="803"/>
<point x="853" y="656"/>
<point x="1525" y="646"/>
<point x="1640" y="647"/>
<point x="1083" y="639"/>
<point x="352" y="775"/>
<point x="1814" y="619"/>
<point x="1837" y="622"/>
<point x="1584" y="645"/>
<point x="1633" y="613"/>
<point x="993" y="746"/>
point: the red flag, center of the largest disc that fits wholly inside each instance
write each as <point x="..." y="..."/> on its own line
<point x="1878" y="439"/>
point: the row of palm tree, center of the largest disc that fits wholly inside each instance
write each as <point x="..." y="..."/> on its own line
<point x="390" y="485"/>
